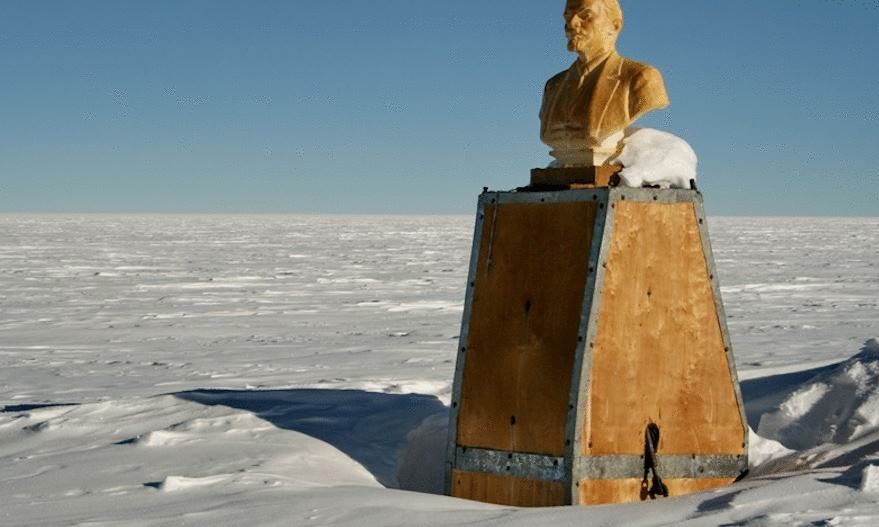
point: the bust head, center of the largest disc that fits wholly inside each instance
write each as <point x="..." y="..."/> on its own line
<point x="592" y="27"/>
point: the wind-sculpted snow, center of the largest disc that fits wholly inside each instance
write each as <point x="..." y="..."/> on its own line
<point x="294" y="370"/>
<point x="836" y="406"/>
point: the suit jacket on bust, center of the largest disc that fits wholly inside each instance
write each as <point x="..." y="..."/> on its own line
<point x="623" y="91"/>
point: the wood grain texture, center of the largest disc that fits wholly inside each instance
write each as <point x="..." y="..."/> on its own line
<point x="659" y="355"/>
<point x="600" y="491"/>
<point x="584" y="177"/>
<point x="522" y="338"/>
<point x="503" y="490"/>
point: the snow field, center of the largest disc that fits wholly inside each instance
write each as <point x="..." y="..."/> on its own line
<point x="295" y="370"/>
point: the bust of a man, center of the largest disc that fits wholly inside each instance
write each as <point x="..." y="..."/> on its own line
<point x="587" y="107"/>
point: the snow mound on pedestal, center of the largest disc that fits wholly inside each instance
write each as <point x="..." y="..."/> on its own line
<point x="655" y="158"/>
<point x="837" y="406"/>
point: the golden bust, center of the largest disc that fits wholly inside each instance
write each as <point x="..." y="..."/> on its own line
<point x="587" y="107"/>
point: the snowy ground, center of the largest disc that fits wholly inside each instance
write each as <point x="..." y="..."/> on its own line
<point x="223" y="370"/>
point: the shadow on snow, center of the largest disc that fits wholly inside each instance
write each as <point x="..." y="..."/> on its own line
<point x="369" y="427"/>
<point x="401" y="438"/>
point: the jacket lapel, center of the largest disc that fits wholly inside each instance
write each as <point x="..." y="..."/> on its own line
<point x="605" y="88"/>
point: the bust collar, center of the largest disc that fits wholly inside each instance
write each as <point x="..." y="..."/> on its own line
<point x="585" y="68"/>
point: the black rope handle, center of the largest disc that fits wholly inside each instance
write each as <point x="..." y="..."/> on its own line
<point x="655" y="487"/>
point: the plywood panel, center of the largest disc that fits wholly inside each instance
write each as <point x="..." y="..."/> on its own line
<point x="659" y="355"/>
<point x="526" y="307"/>
<point x="502" y="490"/>
<point x="600" y="176"/>
<point x="598" y="491"/>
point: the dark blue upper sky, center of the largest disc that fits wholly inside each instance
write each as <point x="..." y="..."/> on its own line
<point x="413" y="105"/>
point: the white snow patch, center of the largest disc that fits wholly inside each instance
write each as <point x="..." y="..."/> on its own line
<point x="869" y="412"/>
<point x="176" y="483"/>
<point x="762" y="450"/>
<point x="163" y="438"/>
<point x="799" y="404"/>
<point x="870" y="479"/>
<point x="653" y="157"/>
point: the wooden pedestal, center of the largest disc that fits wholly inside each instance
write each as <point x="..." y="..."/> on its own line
<point x="591" y="314"/>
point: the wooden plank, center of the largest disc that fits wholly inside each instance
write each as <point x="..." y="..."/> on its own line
<point x="659" y="355"/>
<point x="599" y="491"/>
<point x="581" y="177"/>
<point x="503" y="490"/>
<point x="525" y="316"/>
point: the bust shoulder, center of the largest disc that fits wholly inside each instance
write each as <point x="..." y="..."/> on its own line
<point x="556" y="79"/>
<point x="647" y="87"/>
<point x="632" y="69"/>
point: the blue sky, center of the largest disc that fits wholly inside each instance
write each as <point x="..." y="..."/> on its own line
<point x="412" y="106"/>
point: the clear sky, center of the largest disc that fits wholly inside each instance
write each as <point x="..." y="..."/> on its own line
<point x="412" y="106"/>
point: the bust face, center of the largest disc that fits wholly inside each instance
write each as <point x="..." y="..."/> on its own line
<point x="590" y="29"/>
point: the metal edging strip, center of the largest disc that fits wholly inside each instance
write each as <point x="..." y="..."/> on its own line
<point x="702" y="222"/>
<point x="461" y="353"/>
<point x="589" y="327"/>
<point x="576" y="396"/>
<point x="552" y="468"/>
<point x="653" y="195"/>
<point x="693" y="466"/>
<point x="513" y="464"/>
<point x="554" y="196"/>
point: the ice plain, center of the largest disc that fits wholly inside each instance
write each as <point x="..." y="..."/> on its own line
<point x="205" y="370"/>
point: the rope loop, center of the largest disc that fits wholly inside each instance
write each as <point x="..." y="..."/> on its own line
<point x="652" y="485"/>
